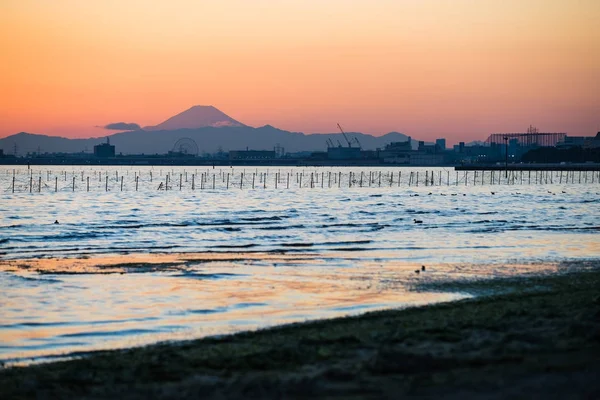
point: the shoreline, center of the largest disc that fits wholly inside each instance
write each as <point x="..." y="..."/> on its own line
<point x="133" y="161"/>
<point x="538" y="333"/>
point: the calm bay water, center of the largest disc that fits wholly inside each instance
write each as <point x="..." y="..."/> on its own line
<point x="354" y="248"/>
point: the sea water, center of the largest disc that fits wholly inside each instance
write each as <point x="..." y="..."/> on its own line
<point x="357" y="235"/>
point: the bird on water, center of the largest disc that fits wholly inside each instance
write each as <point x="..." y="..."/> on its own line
<point x="417" y="221"/>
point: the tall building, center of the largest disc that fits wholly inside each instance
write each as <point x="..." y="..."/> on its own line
<point x="441" y="144"/>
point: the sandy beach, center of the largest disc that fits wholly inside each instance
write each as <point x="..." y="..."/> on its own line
<point x="534" y="336"/>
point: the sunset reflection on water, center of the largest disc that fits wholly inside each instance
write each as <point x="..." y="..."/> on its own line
<point x="121" y="301"/>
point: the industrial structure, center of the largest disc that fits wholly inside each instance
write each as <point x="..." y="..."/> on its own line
<point x="104" y="150"/>
<point x="531" y="138"/>
<point x="340" y="152"/>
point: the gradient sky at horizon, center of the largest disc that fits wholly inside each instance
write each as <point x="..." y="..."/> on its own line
<point x="459" y="69"/>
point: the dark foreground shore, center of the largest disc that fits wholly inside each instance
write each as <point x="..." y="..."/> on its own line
<point x="534" y="338"/>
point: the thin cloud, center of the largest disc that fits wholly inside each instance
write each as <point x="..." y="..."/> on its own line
<point x="122" y="126"/>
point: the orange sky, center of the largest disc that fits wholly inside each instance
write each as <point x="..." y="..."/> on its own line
<point x="459" y="69"/>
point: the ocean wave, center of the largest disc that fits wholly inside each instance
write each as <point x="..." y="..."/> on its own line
<point x="235" y="246"/>
<point x="198" y="275"/>
<point x="122" y="332"/>
<point x="12" y="226"/>
<point x="280" y="227"/>
<point x="273" y="218"/>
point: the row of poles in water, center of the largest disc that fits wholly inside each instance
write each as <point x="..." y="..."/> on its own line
<point x="329" y="179"/>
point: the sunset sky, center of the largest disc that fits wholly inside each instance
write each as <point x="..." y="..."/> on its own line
<point x="459" y="69"/>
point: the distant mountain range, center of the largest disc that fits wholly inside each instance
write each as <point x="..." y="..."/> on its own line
<point x="211" y="129"/>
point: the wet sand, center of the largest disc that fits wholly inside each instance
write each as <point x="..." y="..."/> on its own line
<point x="536" y="336"/>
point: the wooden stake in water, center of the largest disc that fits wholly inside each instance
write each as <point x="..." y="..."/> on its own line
<point x="136" y="182"/>
<point x="56" y="183"/>
<point x="88" y="184"/>
<point x="121" y="183"/>
<point x="39" y="184"/>
<point x="73" y="183"/>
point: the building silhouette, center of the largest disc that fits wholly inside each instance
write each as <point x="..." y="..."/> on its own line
<point x="104" y="150"/>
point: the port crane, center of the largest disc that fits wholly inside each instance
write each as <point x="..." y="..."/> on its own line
<point x="346" y="137"/>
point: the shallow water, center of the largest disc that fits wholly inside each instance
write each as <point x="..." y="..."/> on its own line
<point x="357" y="247"/>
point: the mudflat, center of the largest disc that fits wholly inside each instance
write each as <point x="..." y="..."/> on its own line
<point x="533" y="337"/>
